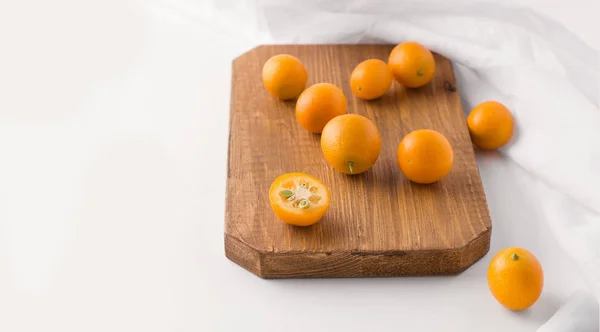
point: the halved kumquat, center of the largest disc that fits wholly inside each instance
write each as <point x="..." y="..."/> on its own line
<point x="299" y="199"/>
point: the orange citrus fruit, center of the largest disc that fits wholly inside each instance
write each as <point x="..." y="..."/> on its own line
<point x="412" y="64"/>
<point x="318" y="104"/>
<point x="515" y="278"/>
<point x="425" y="156"/>
<point x="371" y="79"/>
<point x="351" y="143"/>
<point x="299" y="199"/>
<point x="490" y="125"/>
<point x="284" y="76"/>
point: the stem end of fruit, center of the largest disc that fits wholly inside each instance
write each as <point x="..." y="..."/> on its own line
<point x="351" y="167"/>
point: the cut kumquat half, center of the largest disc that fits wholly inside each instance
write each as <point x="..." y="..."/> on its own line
<point x="299" y="199"/>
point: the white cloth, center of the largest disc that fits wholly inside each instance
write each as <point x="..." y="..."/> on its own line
<point x="547" y="77"/>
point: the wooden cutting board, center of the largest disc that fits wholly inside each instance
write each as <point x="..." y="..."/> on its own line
<point x="379" y="223"/>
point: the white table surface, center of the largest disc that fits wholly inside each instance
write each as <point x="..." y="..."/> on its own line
<point x="113" y="143"/>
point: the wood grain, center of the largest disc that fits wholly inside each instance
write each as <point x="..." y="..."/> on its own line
<point x="379" y="223"/>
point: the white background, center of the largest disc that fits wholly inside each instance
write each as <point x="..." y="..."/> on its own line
<point x="113" y="142"/>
